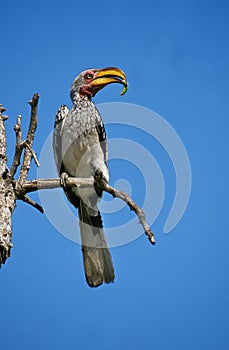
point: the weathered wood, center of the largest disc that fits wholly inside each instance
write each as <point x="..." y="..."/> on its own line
<point x="44" y="184"/>
<point x="7" y="197"/>
<point x="28" y="154"/>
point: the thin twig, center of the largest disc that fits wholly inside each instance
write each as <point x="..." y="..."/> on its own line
<point x="20" y="145"/>
<point x="33" y="154"/>
<point x="17" y="129"/>
<point x="18" y="148"/>
<point x="34" y="204"/>
<point x="133" y="206"/>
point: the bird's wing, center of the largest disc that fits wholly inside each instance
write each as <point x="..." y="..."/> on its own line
<point x="57" y="148"/>
<point x="57" y="142"/>
<point x="102" y="136"/>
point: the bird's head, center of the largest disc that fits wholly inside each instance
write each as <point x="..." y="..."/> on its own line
<point x="90" y="81"/>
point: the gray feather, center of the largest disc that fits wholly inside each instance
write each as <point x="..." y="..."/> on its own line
<point x="97" y="260"/>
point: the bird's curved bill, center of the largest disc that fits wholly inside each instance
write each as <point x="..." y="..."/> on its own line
<point x="107" y="76"/>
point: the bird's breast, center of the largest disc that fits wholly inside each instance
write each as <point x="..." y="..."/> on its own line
<point x="82" y="153"/>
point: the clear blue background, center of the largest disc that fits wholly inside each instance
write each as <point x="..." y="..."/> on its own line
<point x="173" y="295"/>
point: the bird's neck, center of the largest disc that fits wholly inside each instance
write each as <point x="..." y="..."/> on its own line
<point x="77" y="97"/>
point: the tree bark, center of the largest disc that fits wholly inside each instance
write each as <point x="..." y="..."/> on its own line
<point x="7" y="196"/>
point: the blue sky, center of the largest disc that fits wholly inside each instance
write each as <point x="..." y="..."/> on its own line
<point x="173" y="295"/>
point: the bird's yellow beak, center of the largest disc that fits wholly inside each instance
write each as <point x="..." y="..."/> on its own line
<point x="107" y="76"/>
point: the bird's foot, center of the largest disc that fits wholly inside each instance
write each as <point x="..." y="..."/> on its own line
<point x="99" y="179"/>
<point x="63" y="178"/>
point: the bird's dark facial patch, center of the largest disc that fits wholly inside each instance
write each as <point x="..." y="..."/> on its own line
<point x="86" y="90"/>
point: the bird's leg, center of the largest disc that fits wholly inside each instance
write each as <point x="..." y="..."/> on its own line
<point x="63" y="177"/>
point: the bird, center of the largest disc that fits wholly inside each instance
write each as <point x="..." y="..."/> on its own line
<point x="80" y="150"/>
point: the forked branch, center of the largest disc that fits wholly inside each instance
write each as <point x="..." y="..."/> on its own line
<point x="99" y="182"/>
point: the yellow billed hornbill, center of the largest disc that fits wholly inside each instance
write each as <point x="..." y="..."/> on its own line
<point x="80" y="150"/>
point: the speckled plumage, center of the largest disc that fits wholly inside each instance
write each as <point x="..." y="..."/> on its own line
<point x="80" y="148"/>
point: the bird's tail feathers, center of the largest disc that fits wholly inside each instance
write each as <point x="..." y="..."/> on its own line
<point x="98" y="264"/>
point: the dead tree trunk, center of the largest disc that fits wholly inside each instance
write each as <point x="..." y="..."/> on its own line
<point x="12" y="189"/>
<point x="7" y="196"/>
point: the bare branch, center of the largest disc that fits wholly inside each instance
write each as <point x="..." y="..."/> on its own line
<point x="29" y="140"/>
<point x="133" y="206"/>
<point x="18" y="148"/>
<point x="20" y="145"/>
<point x="17" y="129"/>
<point x="48" y="184"/>
<point x="41" y="184"/>
<point x="32" y="153"/>
<point x="34" y="204"/>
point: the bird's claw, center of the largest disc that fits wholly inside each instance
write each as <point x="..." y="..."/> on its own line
<point x="63" y="178"/>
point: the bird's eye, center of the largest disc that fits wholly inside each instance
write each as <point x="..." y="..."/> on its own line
<point x="88" y="75"/>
